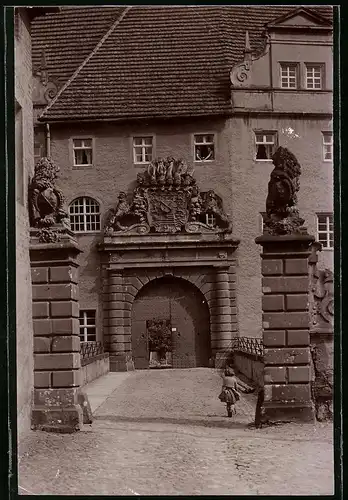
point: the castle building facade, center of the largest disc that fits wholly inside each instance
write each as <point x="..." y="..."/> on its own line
<point x="163" y="122"/>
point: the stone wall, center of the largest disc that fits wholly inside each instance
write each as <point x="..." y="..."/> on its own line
<point x="114" y="171"/>
<point x="321" y="302"/>
<point x="24" y="169"/>
<point x="57" y="376"/>
<point x="250" y="366"/>
<point x="285" y="303"/>
<point x="93" y="368"/>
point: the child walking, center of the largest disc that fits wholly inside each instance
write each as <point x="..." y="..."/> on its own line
<point x="229" y="393"/>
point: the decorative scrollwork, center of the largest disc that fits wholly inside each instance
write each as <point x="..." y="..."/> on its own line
<point x="243" y="70"/>
<point x="322" y="290"/>
<point x="168" y="200"/>
<point x="50" y="93"/>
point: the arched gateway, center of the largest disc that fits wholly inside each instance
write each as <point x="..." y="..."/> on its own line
<point x="168" y="230"/>
<point x="184" y="310"/>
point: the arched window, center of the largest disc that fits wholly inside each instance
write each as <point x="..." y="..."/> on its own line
<point x="84" y="215"/>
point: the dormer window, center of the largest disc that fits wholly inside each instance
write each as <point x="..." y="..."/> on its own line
<point x="314" y="76"/>
<point x="289" y="76"/>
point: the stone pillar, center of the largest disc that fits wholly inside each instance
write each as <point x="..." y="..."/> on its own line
<point x="57" y="394"/>
<point x="286" y="322"/>
<point x="221" y="333"/>
<point x="119" y="323"/>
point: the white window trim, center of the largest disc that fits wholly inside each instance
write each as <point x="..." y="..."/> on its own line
<point x="86" y="232"/>
<point x="262" y="215"/>
<point x="85" y="309"/>
<point x="295" y="65"/>
<point x="142" y="136"/>
<point x="323" y="145"/>
<point x="326" y="214"/>
<point x="275" y="143"/>
<point x="72" y="149"/>
<point x="194" y="146"/>
<point x="321" y="66"/>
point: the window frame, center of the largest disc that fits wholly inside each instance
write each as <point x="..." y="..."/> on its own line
<point x="262" y="216"/>
<point x="274" y="133"/>
<point x="289" y="64"/>
<point x="327" y="232"/>
<point x="322" y="75"/>
<point x="92" y="148"/>
<point x="85" y="231"/>
<point x="133" y="146"/>
<point x="323" y="144"/>
<point x="194" y="144"/>
<point x="85" y="325"/>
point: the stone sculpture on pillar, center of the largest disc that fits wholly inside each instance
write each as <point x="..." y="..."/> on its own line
<point x="282" y="215"/>
<point x="46" y="211"/>
<point x="59" y="404"/>
<point x="286" y="394"/>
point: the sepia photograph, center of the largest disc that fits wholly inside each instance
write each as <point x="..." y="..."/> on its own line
<point x="174" y="254"/>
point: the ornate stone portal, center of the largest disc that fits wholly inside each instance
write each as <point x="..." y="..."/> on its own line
<point x="167" y="227"/>
<point x="167" y="199"/>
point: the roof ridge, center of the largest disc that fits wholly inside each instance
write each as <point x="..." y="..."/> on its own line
<point x="96" y="48"/>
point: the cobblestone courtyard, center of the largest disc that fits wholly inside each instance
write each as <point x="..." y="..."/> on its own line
<point x="165" y="432"/>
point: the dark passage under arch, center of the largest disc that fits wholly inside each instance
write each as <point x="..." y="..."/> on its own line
<point x="180" y="302"/>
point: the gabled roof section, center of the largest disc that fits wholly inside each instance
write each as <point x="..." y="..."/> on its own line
<point x="148" y="61"/>
<point x="68" y="37"/>
<point x="300" y="18"/>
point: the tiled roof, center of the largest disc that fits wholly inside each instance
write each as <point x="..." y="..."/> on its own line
<point x="69" y="37"/>
<point x="142" y="62"/>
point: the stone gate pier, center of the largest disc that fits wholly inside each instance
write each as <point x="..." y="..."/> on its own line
<point x="54" y="271"/>
<point x="58" y="403"/>
<point x="285" y="297"/>
<point x="286" y="323"/>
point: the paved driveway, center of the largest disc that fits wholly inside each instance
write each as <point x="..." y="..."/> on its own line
<point x="164" y="432"/>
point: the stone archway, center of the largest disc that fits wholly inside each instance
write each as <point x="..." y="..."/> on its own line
<point x="184" y="306"/>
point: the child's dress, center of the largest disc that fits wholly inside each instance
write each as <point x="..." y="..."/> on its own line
<point x="229" y="393"/>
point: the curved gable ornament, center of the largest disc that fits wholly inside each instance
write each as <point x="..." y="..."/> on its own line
<point x="167" y="199"/>
<point x="241" y="73"/>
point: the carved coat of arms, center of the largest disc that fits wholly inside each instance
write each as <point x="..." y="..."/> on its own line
<point x="168" y="200"/>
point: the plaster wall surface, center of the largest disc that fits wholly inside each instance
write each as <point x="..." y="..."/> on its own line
<point x="249" y="191"/>
<point x="114" y="171"/>
<point x="24" y="169"/>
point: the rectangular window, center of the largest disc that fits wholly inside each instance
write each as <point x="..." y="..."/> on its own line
<point x="289" y="76"/>
<point x="143" y="149"/>
<point x="327" y="146"/>
<point x="87" y="325"/>
<point x="82" y="152"/>
<point x="204" y="147"/>
<point x="314" y="76"/>
<point x="325" y="233"/>
<point x="265" y="145"/>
